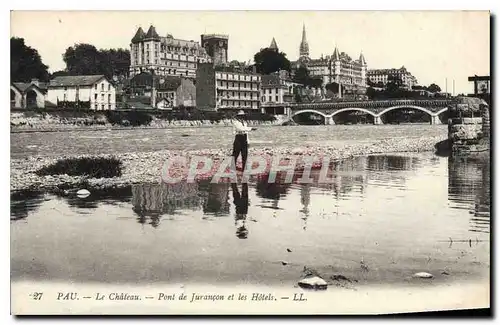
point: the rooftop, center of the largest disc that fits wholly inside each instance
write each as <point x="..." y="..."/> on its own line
<point x="206" y="36"/>
<point x="23" y="86"/>
<point x="69" y="81"/>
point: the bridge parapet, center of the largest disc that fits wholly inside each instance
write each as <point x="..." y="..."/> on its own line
<point x="433" y="105"/>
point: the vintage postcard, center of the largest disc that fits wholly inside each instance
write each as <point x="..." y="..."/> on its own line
<point x="249" y="162"/>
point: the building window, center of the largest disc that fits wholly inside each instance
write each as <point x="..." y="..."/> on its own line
<point x="96" y="107"/>
<point x="277" y="98"/>
<point x="102" y="86"/>
<point x="187" y="72"/>
<point x="109" y="87"/>
<point x="102" y="106"/>
<point x="147" y="46"/>
<point x="109" y="98"/>
<point x="65" y="97"/>
<point x="109" y="106"/>
<point x="95" y="97"/>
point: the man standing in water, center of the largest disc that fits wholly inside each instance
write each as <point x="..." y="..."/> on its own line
<point x="240" y="144"/>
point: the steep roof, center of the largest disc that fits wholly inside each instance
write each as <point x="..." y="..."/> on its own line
<point x="362" y="59"/>
<point x="169" y="83"/>
<point x="271" y="81"/>
<point x="145" y="79"/>
<point x="273" y="45"/>
<point x="70" y="81"/>
<point x="336" y="55"/>
<point x="139" y="35"/>
<point x="152" y="33"/>
<point x="23" y="86"/>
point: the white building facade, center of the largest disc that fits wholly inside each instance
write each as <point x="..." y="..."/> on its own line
<point x="95" y="92"/>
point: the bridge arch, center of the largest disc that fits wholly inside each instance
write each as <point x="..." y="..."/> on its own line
<point x="423" y="109"/>
<point x="442" y="111"/>
<point x="309" y="111"/>
<point x="352" y="109"/>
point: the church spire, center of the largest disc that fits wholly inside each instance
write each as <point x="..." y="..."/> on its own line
<point x="362" y="58"/>
<point x="304" y="46"/>
<point x="273" y="45"/>
<point x="336" y="55"/>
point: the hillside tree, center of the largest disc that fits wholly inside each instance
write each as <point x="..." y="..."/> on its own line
<point x="268" y="61"/>
<point x="25" y="62"/>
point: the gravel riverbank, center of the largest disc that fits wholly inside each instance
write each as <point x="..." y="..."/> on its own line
<point x="139" y="167"/>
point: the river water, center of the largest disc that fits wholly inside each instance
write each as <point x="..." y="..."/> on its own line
<point x="382" y="219"/>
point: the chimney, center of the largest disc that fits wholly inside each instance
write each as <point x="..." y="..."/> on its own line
<point x="35" y="82"/>
<point x="254" y="69"/>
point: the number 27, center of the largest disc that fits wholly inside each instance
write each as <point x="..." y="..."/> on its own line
<point x="37" y="295"/>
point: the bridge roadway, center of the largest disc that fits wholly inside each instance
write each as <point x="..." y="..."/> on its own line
<point x="377" y="109"/>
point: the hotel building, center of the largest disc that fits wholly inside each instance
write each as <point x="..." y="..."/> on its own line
<point x="225" y="87"/>
<point x="339" y="67"/>
<point x="385" y="75"/>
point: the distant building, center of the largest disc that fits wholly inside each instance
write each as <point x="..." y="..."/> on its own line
<point x="277" y="92"/>
<point x="384" y="76"/>
<point x="222" y="87"/>
<point x="168" y="92"/>
<point x="167" y="56"/>
<point x="28" y="95"/>
<point x="93" y="92"/>
<point x="338" y="68"/>
<point x="216" y="46"/>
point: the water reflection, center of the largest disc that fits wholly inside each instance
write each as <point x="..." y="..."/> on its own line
<point x="469" y="185"/>
<point x="352" y="180"/>
<point x="272" y="192"/>
<point x="363" y="214"/>
<point x="152" y="201"/>
<point x="23" y="203"/>
<point x="215" y="198"/>
<point x="305" y="200"/>
<point x="241" y="209"/>
<point x="403" y="163"/>
<point x="97" y="197"/>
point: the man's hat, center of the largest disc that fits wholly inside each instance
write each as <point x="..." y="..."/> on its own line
<point x="240" y="113"/>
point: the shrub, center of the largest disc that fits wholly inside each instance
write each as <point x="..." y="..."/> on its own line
<point x="125" y="118"/>
<point x="87" y="166"/>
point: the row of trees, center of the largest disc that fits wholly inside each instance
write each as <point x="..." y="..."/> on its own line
<point x="80" y="59"/>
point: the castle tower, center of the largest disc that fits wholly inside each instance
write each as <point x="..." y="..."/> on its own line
<point x="216" y="46"/>
<point x="304" y="46"/>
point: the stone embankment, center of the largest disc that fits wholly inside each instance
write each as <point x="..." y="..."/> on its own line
<point x="21" y="123"/>
<point x="147" y="166"/>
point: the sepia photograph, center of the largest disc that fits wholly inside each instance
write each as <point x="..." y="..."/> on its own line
<point x="249" y="162"/>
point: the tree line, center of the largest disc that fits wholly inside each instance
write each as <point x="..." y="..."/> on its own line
<point x="80" y="59"/>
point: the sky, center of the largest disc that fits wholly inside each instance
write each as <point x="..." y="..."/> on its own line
<point x="434" y="46"/>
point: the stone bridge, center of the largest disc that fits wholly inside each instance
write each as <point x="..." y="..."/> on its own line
<point x="377" y="109"/>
